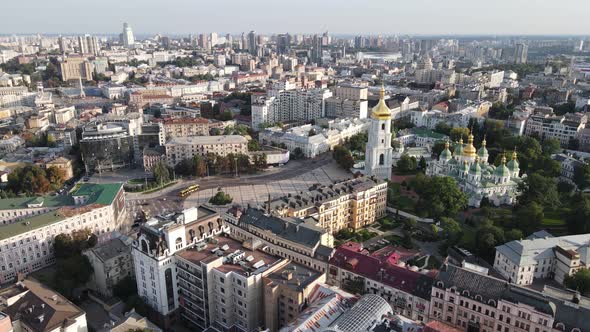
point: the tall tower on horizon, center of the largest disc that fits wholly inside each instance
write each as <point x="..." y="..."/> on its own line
<point x="378" y="155"/>
<point x="127" y="38"/>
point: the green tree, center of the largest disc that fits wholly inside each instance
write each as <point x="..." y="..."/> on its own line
<point x="253" y="145"/>
<point x="439" y="196"/>
<point x="443" y="128"/>
<point x="298" y="153"/>
<point x="539" y="189"/>
<point x="579" y="281"/>
<point x="578" y="219"/>
<point x="551" y="146"/>
<point x="161" y="173"/>
<point x="200" y="166"/>
<point x="451" y="229"/>
<point x="343" y="157"/>
<point x="422" y="164"/>
<point x="514" y="234"/>
<point x="221" y="198"/>
<point x="358" y="142"/>
<point x="406" y="164"/>
<point x="529" y="216"/>
<point x="458" y="133"/>
<point x="582" y="176"/>
<point x="487" y="237"/>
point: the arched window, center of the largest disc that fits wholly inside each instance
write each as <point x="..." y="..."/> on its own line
<point x="178" y="243"/>
<point x="383" y="126"/>
<point x="144" y="246"/>
<point x="381" y="159"/>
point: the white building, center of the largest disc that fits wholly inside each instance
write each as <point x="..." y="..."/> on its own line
<point x="154" y="254"/>
<point x="29" y="224"/>
<point x="314" y="140"/>
<point x="379" y="152"/>
<point x="180" y="148"/>
<point x="288" y="105"/>
<point x="476" y="176"/>
<point x="542" y="256"/>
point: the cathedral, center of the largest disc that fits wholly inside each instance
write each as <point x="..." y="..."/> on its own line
<point x="379" y="153"/>
<point x="475" y="176"/>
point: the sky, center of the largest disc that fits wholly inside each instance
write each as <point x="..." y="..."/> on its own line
<point x="415" y="17"/>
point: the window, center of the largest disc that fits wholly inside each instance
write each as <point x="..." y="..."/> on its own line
<point x="381" y="159"/>
<point x="383" y="126"/>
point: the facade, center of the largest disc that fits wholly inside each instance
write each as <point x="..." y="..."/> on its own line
<point x="155" y="259"/>
<point x="111" y="262"/>
<point x="404" y="288"/>
<point x="348" y="102"/>
<point x="521" y="53"/>
<point x="300" y="241"/>
<point x="288" y="105"/>
<point x="63" y="164"/>
<point x="127" y="38"/>
<point x="314" y="140"/>
<point x="547" y="257"/>
<point x="568" y="166"/>
<point x="352" y="204"/>
<point x="221" y="284"/>
<point x="63" y="115"/>
<point x="76" y="68"/>
<point x="29" y="224"/>
<point x="286" y="293"/>
<point x="563" y="128"/>
<point x="181" y="148"/>
<point x="11" y="144"/>
<point x="472" y="301"/>
<point x="475" y="176"/>
<point x="63" y="137"/>
<point x="379" y="153"/>
<point x="106" y="146"/>
<point x="34" y="307"/>
<point x="185" y="127"/>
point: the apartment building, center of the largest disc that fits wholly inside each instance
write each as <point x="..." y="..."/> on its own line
<point x="287" y="292"/>
<point x="288" y="105"/>
<point x="221" y="284"/>
<point x="405" y="289"/>
<point x="16" y="96"/>
<point x="184" y="127"/>
<point x="154" y="255"/>
<point x="63" y="115"/>
<point x="298" y="240"/>
<point x="542" y="256"/>
<point x="29" y="224"/>
<point x="348" y="101"/>
<point x="180" y="148"/>
<point x="111" y="262"/>
<point x="563" y="128"/>
<point x="471" y="300"/>
<point x="76" y="68"/>
<point x="352" y="203"/>
<point x="64" y="164"/>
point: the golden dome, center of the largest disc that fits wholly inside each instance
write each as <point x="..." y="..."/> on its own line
<point x="381" y="111"/>
<point x="469" y="150"/>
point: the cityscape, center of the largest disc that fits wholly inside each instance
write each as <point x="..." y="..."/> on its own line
<point x="268" y="178"/>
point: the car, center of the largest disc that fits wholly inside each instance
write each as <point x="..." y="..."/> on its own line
<point x="86" y="179"/>
<point x="144" y="204"/>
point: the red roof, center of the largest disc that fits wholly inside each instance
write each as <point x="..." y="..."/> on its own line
<point x="379" y="267"/>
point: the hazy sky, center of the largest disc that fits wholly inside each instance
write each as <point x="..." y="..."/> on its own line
<point x="265" y="16"/>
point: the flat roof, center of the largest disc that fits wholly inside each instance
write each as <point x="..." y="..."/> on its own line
<point x="29" y="224"/>
<point x="206" y="256"/>
<point x="99" y="193"/>
<point x="223" y="139"/>
<point x="294" y="276"/>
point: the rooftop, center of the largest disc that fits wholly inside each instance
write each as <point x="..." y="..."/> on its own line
<point x="202" y="140"/>
<point x="111" y="249"/>
<point x="29" y="224"/>
<point x="41" y="308"/>
<point x="236" y="258"/>
<point x="295" y="276"/>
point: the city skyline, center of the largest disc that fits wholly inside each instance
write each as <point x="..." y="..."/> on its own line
<point x="424" y="17"/>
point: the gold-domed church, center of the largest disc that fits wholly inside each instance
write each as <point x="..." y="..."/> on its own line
<point x="475" y="175"/>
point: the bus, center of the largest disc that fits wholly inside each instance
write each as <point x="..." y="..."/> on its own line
<point x="188" y="190"/>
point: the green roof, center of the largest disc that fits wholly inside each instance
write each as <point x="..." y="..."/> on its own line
<point x="99" y="193"/>
<point x="23" y="202"/>
<point x="29" y="224"/>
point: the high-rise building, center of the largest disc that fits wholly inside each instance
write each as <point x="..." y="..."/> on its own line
<point x="93" y="46"/>
<point x="316" y="50"/>
<point x="62" y="45"/>
<point x="82" y="45"/>
<point x="127" y="38"/>
<point x="252" y="43"/>
<point x="379" y="152"/>
<point x="283" y="43"/>
<point x="75" y="68"/>
<point x="521" y="53"/>
<point x="213" y="38"/>
<point x="229" y="40"/>
<point x="204" y="42"/>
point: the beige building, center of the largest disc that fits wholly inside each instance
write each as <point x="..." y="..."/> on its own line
<point x="286" y="293"/>
<point x="63" y="115"/>
<point x="352" y="204"/>
<point x="33" y="307"/>
<point x="112" y="262"/>
<point x="185" y="127"/>
<point x="37" y="121"/>
<point x="75" y="68"/>
<point x="181" y="148"/>
<point x="64" y="164"/>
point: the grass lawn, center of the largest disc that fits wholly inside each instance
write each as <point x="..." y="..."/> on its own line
<point x="159" y="188"/>
<point x="554" y="218"/>
<point x="404" y="203"/>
